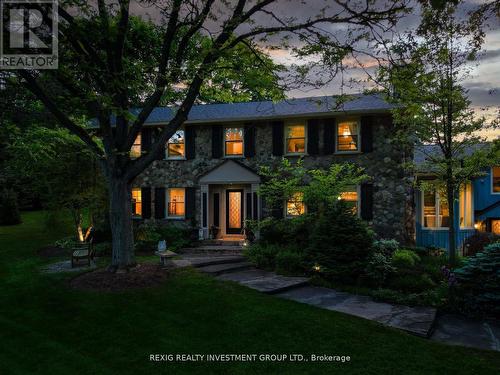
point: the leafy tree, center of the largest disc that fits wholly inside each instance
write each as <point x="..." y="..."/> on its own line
<point x="120" y="62"/>
<point x="433" y="105"/>
<point x="320" y="189"/>
<point x="61" y="170"/>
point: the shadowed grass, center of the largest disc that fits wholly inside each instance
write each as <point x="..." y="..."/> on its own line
<point x="47" y="328"/>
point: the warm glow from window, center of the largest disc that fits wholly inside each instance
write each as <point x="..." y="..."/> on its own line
<point x="351" y="197"/>
<point x="176" y="206"/>
<point x="233" y="141"/>
<point x="495" y="177"/>
<point x="466" y="214"/>
<point x="176" y="146"/>
<point x="347" y="136"/>
<point x="435" y="210"/>
<point x="135" y="150"/>
<point x="295" y="205"/>
<point x="495" y="226"/>
<point x="295" y="139"/>
<point x="136" y="202"/>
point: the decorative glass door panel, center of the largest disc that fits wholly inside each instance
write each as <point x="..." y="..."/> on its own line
<point x="234" y="211"/>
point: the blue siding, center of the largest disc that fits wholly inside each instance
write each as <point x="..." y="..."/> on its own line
<point x="483" y="197"/>
<point x="437" y="237"/>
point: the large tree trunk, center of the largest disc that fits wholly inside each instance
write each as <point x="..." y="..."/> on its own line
<point x="120" y="217"/>
<point x="450" y="196"/>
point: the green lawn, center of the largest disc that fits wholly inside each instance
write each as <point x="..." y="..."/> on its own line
<point x="46" y="328"/>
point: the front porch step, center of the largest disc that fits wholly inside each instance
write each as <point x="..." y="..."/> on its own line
<point x="202" y="261"/>
<point x="219" y="269"/>
<point x="212" y="249"/>
<point x="265" y="282"/>
<point x="235" y="242"/>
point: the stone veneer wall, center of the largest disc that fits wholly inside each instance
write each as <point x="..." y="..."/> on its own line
<point x="393" y="215"/>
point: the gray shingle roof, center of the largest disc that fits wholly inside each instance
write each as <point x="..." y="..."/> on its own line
<point x="422" y="152"/>
<point x="267" y="109"/>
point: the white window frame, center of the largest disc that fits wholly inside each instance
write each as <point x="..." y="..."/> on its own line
<point x="438" y="211"/>
<point x="285" y="210"/>
<point x="471" y="207"/>
<point x="140" y="147"/>
<point x="285" y="143"/>
<point x="167" y="157"/>
<point x="134" y="215"/>
<point x="358" y="201"/>
<point x="491" y="181"/>
<point x="242" y="142"/>
<point x="167" y="198"/>
<point x="358" y="135"/>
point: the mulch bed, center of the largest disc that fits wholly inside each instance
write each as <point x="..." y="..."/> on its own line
<point x="142" y="276"/>
<point x="52" y="251"/>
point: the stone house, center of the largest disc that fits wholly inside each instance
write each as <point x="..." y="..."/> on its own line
<point x="209" y="174"/>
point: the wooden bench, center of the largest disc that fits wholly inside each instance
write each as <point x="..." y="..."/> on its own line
<point x="166" y="257"/>
<point x="83" y="251"/>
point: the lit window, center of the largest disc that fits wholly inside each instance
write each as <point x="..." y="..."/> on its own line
<point x="175" y="145"/>
<point x="295" y="205"/>
<point x="135" y="151"/>
<point x="495" y="226"/>
<point x="347" y="136"/>
<point x="175" y="204"/>
<point x="495" y="179"/>
<point x="436" y="213"/>
<point x="136" y="202"/>
<point x="351" y="198"/>
<point x="295" y="139"/>
<point x="233" y="141"/>
<point x="466" y="206"/>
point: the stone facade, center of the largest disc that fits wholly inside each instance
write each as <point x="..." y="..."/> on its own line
<point x="392" y="199"/>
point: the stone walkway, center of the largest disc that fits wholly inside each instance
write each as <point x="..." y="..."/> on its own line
<point x="416" y="320"/>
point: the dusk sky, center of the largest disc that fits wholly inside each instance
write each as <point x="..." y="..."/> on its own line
<point x="483" y="83"/>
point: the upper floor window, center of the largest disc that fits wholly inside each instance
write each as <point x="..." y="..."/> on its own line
<point x="175" y="202"/>
<point x="176" y="146"/>
<point x="136" y="202"/>
<point x="233" y="141"/>
<point x="351" y="198"/>
<point x="295" y="205"/>
<point x="495" y="179"/>
<point x="435" y="210"/>
<point x="135" y="150"/>
<point x="347" y="136"/>
<point x="295" y="138"/>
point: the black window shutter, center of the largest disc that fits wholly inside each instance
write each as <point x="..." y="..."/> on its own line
<point x="277" y="138"/>
<point x="249" y="140"/>
<point x="329" y="131"/>
<point x="146" y="202"/>
<point x="366" y="134"/>
<point x="190" y="142"/>
<point x="278" y="212"/>
<point x="190" y="202"/>
<point x="216" y="209"/>
<point x="155" y="136"/>
<point x="313" y="137"/>
<point x="249" y="206"/>
<point x="367" y="202"/>
<point x="146" y="139"/>
<point x="217" y="141"/>
<point x="159" y="203"/>
<point x="255" y="206"/>
<point x="205" y="209"/>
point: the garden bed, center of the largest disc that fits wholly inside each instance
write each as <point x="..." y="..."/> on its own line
<point x="142" y="276"/>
